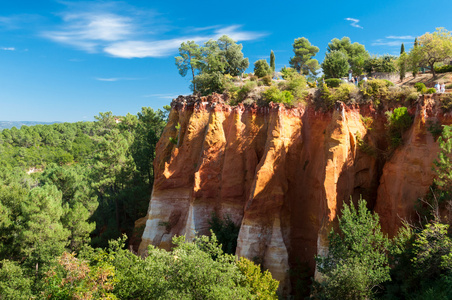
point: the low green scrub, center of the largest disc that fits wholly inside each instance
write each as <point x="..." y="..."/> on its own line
<point x="446" y="102"/>
<point x="275" y="95"/>
<point x="420" y="87"/>
<point x="398" y="121"/>
<point x="431" y="91"/>
<point x="333" y="82"/>
<point x="443" y="69"/>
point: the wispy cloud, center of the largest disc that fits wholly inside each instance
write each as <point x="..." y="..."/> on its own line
<point x="401" y="37"/>
<point x="8" y="48"/>
<point x="129" y="33"/>
<point x="354" y="22"/>
<point x="392" y="41"/>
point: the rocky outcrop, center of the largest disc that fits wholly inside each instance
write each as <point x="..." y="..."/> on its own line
<point x="282" y="174"/>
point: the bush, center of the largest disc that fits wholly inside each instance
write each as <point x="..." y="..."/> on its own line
<point x="261" y="68"/>
<point x="449" y="86"/>
<point x="446" y="102"/>
<point x="431" y="91"/>
<point x="273" y="94"/>
<point x="287" y="73"/>
<point x="388" y="83"/>
<point x="443" y="69"/>
<point x="253" y="77"/>
<point x="333" y="82"/>
<point x="267" y="80"/>
<point x="404" y="93"/>
<point x="226" y="232"/>
<point x="357" y="262"/>
<point x="296" y="84"/>
<point x="375" y="90"/>
<point x="420" y="87"/>
<point x="343" y="93"/>
<point x="398" y="122"/>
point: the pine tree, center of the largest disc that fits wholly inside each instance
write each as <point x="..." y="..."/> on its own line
<point x="402" y="49"/>
<point x="272" y="61"/>
<point x="415" y="42"/>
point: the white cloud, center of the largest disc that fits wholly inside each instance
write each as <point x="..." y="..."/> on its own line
<point x="8" y="48"/>
<point x="390" y="43"/>
<point x="354" y="22"/>
<point x="402" y="37"/>
<point x="127" y="33"/>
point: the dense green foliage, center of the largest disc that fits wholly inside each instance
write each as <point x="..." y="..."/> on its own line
<point x="272" y="61"/>
<point x="335" y="64"/>
<point x="210" y="63"/>
<point x="355" y="53"/>
<point x="398" y="122"/>
<point x="261" y="68"/>
<point x="357" y="262"/>
<point x="303" y="60"/>
<point x="432" y="48"/>
<point x="383" y="64"/>
<point x="333" y="82"/>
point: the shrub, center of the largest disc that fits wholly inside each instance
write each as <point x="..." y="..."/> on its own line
<point x="287" y="73"/>
<point x="404" y="93"/>
<point x="253" y="77"/>
<point x="333" y="82"/>
<point x="431" y="91"/>
<point x="449" y="86"/>
<point x="443" y="69"/>
<point x="261" y="68"/>
<point x="357" y="261"/>
<point x="311" y="84"/>
<point x="398" y="121"/>
<point x="277" y="96"/>
<point x="267" y="80"/>
<point x="446" y="102"/>
<point x="297" y="86"/>
<point x="375" y="90"/>
<point x="420" y="87"/>
<point x="244" y="75"/>
<point x="388" y="83"/>
<point x="226" y="232"/>
<point x="343" y="93"/>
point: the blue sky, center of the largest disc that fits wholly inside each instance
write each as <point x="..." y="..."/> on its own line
<point x="69" y="60"/>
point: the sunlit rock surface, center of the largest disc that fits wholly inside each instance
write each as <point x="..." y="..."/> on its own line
<point x="283" y="174"/>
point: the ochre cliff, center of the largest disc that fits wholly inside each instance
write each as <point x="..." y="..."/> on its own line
<point x="282" y="174"/>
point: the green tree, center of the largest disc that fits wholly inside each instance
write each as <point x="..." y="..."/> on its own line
<point x="335" y="64"/>
<point x="402" y="62"/>
<point x="357" y="262"/>
<point x="402" y="49"/>
<point x="189" y="59"/>
<point x="384" y="64"/>
<point x="303" y="60"/>
<point x="272" y="61"/>
<point x="356" y="53"/>
<point x="432" y="48"/>
<point x="261" y="68"/>
<point x="43" y="236"/>
<point x="14" y="284"/>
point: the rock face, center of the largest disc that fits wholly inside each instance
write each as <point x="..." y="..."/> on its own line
<point x="281" y="174"/>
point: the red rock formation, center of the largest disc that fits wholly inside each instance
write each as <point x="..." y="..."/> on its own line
<point x="282" y="174"/>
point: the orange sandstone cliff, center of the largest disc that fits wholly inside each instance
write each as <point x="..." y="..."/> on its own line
<point x="282" y="174"/>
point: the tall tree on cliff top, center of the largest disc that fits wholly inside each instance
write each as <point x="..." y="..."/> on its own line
<point x="272" y="61"/>
<point x="402" y="49"/>
<point x="303" y="60"/>
<point x="189" y="59"/>
<point x="356" y="53"/>
<point x="212" y="61"/>
<point x="432" y="48"/>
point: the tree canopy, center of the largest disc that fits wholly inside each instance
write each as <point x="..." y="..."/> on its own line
<point x="432" y="48"/>
<point x="303" y="60"/>
<point x="356" y="53"/>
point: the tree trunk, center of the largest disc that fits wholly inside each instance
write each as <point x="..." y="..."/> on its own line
<point x="433" y="69"/>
